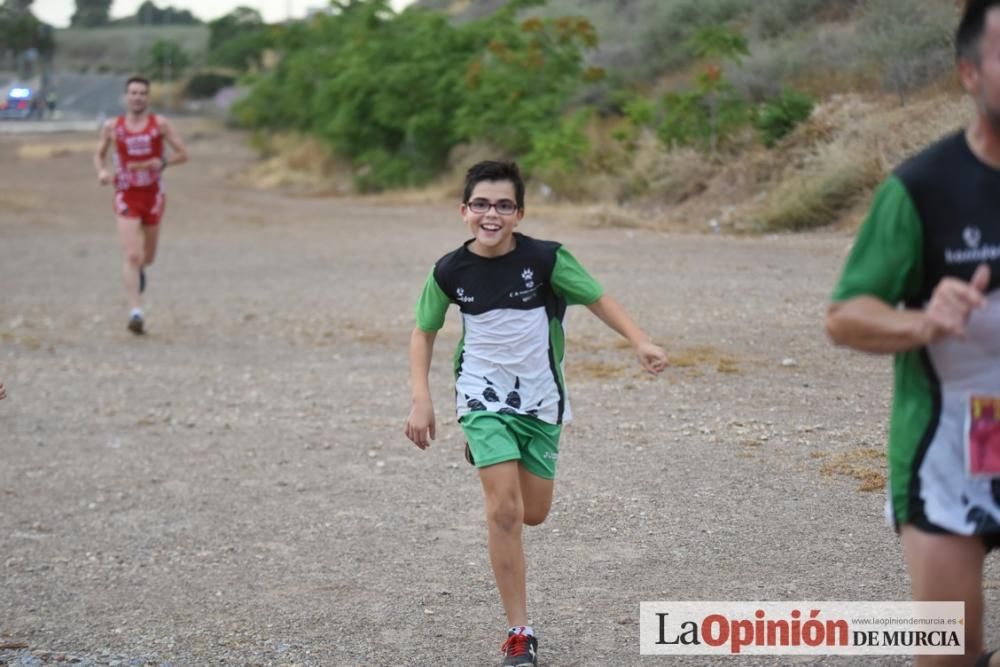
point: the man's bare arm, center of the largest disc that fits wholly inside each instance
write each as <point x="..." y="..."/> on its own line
<point x="101" y="154"/>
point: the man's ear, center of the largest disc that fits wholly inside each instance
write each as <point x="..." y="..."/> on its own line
<point x="968" y="73"/>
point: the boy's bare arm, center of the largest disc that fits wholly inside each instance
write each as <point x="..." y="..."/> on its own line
<point x="651" y="356"/>
<point x="420" y="426"/>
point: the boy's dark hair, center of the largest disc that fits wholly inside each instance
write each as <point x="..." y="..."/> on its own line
<point x="494" y="170"/>
<point x="137" y="79"/>
<point x="971" y="28"/>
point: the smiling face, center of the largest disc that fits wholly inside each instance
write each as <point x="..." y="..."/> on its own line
<point x="492" y="231"/>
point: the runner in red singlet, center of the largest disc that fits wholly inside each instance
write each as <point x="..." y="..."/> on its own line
<point x="139" y="160"/>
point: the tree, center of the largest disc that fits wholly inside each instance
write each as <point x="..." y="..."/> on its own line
<point x="712" y="110"/>
<point x="238" y="39"/>
<point x="18" y="6"/>
<point x="91" y="13"/>
<point x="234" y="24"/>
<point x="149" y="14"/>
<point x="22" y="34"/>
<point x="394" y="93"/>
<point x="166" y="60"/>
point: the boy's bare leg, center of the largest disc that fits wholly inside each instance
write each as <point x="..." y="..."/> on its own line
<point x="131" y="235"/>
<point x="536" y="496"/>
<point x="947" y="568"/>
<point x="504" y="520"/>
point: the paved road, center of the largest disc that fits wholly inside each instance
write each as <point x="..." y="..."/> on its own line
<point x="88" y="96"/>
<point x="82" y="97"/>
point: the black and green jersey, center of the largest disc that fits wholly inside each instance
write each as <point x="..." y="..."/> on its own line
<point x="938" y="215"/>
<point x="510" y="356"/>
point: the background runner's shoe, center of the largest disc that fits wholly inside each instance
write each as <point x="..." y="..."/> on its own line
<point x="135" y="324"/>
<point x="142" y="281"/>
<point x="520" y="651"/>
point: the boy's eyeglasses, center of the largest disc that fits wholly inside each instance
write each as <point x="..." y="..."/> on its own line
<point x="503" y="206"/>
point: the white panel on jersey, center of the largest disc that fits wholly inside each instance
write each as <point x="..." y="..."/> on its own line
<point x="505" y="364"/>
<point x="964" y="367"/>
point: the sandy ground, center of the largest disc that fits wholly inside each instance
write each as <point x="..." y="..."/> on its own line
<point x="234" y="488"/>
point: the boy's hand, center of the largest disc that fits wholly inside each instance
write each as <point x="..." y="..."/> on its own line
<point x="420" y="428"/>
<point x="651" y="357"/>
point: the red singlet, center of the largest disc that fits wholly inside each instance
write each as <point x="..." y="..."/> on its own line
<point x="138" y="193"/>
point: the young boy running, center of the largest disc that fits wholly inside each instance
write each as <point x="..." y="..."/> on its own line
<point x="512" y="291"/>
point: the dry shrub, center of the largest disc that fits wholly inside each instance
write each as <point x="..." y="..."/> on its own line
<point x="834" y="160"/>
<point x="168" y="96"/>
<point x="302" y="163"/>
<point x="818" y="195"/>
<point x="668" y="176"/>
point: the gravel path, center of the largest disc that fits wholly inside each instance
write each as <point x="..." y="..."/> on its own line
<point x="234" y="488"/>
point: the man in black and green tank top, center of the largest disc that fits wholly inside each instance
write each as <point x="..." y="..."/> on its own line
<point x="921" y="282"/>
<point x="512" y="292"/>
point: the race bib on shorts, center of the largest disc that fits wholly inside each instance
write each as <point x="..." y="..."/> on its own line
<point x="982" y="436"/>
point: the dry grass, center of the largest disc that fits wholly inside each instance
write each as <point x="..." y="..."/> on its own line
<point x="167" y="96"/>
<point x="595" y="369"/>
<point x="701" y="356"/>
<point x="27" y="341"/>
<point x="835" y="179"/>
<point x="865" y="464"/>
<point x="18" y="202"/>
<point x="58" y="149"/>
<point x="300" y="163"/>
<point x="847" y="147"/>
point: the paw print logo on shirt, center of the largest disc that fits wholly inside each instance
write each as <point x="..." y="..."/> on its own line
<point x="511" y="404"/>
<point x="529" y="278"/>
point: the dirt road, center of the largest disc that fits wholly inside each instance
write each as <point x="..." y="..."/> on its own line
<point x="234" y="488"/>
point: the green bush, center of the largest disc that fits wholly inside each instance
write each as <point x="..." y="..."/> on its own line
<point x="206" y="84"/>
<point x="165" y="60"/>
<point x="394" y="93"/>
<point x="560" y="149"/>
<point x="711" y="111"/>
<point x="777" y="118"/>
<point x="239" y="39"/>
<point x="701" y="118"/>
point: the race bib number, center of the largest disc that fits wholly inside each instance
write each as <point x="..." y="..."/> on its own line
<point x="982" y="436"/>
